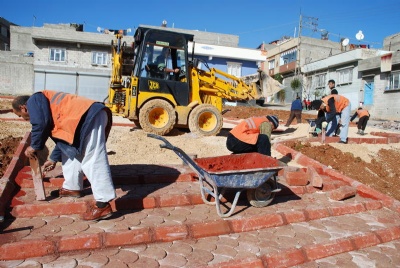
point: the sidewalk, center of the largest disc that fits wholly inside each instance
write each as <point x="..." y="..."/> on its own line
<point x="160" y="220"/>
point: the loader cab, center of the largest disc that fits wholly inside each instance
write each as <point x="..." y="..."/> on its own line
<point x="157" y="53"/>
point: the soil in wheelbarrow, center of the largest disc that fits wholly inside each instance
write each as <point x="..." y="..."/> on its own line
<point x="236" y="162"/>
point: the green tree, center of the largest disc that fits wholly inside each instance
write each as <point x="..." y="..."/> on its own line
<point x="281" y="94"/>
<point x="295" y="84"/>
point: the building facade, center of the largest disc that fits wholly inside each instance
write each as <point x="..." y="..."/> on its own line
<point x="380" y="78"/>
<point x="63" y="57"/>
<point x="343" y="68"/>
<point x="291" y="54"/>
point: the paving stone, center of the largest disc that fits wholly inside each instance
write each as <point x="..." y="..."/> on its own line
<point x="178" y="247"/>
<point x="145" y="262"/>
<point x="94" y="260"/>
<point x="153" y="251"/>
<point x="165" y="223"/>
<point x="30" y="264"/>
<point x="125" y="256"/>
<point x="61" y="263"/>
<point x="173" y="260"/>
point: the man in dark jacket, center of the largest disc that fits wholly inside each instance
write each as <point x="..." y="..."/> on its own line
<point x="295" y="111"/>
<point x="79" y="127"/>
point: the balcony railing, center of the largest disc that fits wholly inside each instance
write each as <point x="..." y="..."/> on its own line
<point x="290" y="67"/>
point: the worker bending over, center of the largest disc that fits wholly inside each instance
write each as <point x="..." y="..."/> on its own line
<point x="252" y="135"/>
<point x="363" y="116"/>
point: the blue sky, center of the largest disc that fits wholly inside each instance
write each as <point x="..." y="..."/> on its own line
<point x="254" y="21"/>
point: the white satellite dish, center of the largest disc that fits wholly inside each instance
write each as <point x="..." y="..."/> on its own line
<point x="360" y="35"/>
<point x="345" y="42"/>
<point x="99" y="29"/>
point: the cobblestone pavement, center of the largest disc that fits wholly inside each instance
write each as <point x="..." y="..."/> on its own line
<point x="160" y="220"/>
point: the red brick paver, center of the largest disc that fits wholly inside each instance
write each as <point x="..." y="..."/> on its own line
<point x="160" y="220"/>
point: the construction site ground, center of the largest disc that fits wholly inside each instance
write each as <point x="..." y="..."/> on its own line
<point x="160" y="219"/>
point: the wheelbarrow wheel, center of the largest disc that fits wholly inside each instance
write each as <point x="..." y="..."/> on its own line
<point x="261" y="196"/>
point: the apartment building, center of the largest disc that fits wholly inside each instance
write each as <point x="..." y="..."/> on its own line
<point x="65" y="58"/>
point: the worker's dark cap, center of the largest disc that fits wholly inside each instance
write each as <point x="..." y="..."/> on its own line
<point x="316" y="104"/>
<point x="331" y="81"/>
<point x="274" y="120"/>
<point x="334" y="91"/>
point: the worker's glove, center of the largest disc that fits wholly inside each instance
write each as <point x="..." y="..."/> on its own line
<point x="324" y="124"/>
<point x="318" y="130"/>
<point x="265" y="128"/>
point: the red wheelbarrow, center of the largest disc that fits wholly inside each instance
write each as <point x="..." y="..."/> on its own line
<point x="253" y="172"/>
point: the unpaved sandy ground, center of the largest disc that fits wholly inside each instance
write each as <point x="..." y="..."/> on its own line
<point x="371" y="164"/>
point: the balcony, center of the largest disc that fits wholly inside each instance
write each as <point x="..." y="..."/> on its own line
<point x="290" y="67"/>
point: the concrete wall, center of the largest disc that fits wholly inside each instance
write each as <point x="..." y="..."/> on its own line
<point x="16" y="74"/>
<point x="386" y="104"/>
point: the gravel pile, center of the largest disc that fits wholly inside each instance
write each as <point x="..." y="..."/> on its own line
<point x="388" y="125"/>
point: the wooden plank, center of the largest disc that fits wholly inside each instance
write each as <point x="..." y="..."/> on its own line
<point x="37" y="179"/>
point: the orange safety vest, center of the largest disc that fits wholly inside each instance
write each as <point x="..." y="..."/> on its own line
<point x="66" y="111"/>
<point x="362" y="113"/>
<point x="249" y="129"/>
<point x="341" y="102"/>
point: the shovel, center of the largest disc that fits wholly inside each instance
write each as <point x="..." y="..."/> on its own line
<point x="37" y="177"/>
<point x="324" y="124"/>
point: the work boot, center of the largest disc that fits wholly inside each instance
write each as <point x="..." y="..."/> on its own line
<point x="95" y="213"/>
<point x="66" y="193"/>
<point x="362" y="132"/>
<point x="359" y="131"/>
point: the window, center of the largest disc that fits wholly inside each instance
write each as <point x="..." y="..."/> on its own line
<point x="99" y="58"/>
<point x="57" y="54"/>
<point x="394" y="81"/>
<point x="320" y="80"/>
<point x="345" y="75"/>
<point x="308" y="83"/>
<point x="3" y="31"/>
<point x="234" y="68"/>
<point x="288" y="56"/>
<point x="271" y="64"/>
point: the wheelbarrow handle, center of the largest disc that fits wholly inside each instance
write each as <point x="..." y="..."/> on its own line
<point x="166" y="144"/>
<point x="201" y="172"/>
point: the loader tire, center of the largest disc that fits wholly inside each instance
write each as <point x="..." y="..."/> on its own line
<point x="157" y="117"/>
<point x="205" y="120"/>
<point x="137" y="123"/>
<point x="261" y="196"/>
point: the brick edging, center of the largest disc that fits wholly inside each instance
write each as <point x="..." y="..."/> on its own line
<point x="362" y="189"/>
<point x="158" y="234"/>
<point x="7" y="182"/>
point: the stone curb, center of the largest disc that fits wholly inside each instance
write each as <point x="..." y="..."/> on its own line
<point x="362" y="189"/>
<point x="7" y="182"/>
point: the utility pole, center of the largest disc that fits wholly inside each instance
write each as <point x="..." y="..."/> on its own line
<point x="296" y="71"/>
<point x="308" y="22"/>
<point x="311" y="23"/>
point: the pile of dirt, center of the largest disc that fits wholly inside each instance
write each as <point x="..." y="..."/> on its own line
<point x="381" y="173"/>
<point x="8" y="147"/>
<point x="242" y="112"/>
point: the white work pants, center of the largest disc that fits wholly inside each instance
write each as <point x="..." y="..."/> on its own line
<point x="93" y="162"/>
<point x="345" y="121"/>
